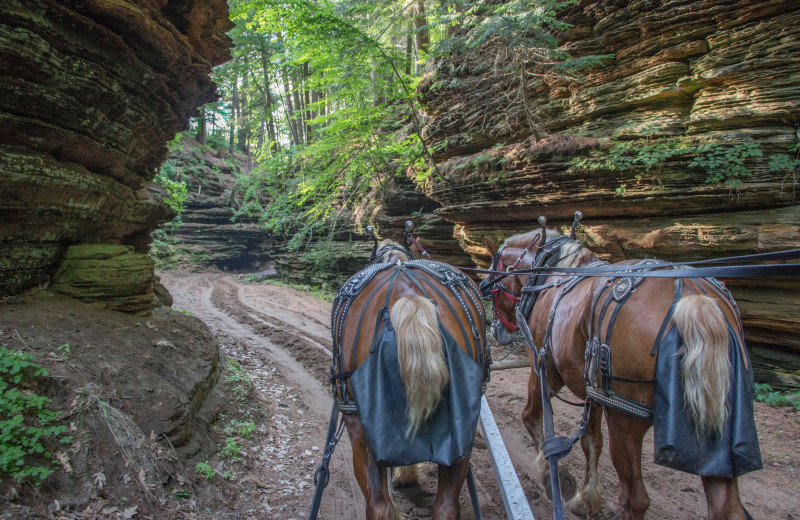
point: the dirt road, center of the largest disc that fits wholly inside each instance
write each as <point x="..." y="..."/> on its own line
<point x="284" y="333"/>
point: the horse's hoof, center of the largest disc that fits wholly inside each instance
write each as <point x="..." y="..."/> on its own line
<point x="405" y="476"/>
<point x="580" y="506"/>
<point x="566" y="482"/>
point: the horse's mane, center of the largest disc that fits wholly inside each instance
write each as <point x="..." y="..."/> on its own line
<point x="393" y="255"/>
<point x="570" y="253"/>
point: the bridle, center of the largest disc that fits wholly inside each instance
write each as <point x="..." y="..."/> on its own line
<point x="377" y="256"/>
<point x="499" y="286"/>
<point x="544" y="256"/>
<point x="408" y="240"/>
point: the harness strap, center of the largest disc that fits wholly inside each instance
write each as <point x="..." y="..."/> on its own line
<point x="323" y="475"/>
<point x="342" y="375"/>
<point x="421" y="249"/>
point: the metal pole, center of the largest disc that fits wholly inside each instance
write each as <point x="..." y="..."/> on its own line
<point x="516" y="504"/>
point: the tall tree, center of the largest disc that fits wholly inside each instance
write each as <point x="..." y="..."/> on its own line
<point x="421" y="28"/>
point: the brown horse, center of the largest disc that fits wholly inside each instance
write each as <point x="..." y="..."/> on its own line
<point x="423" y="304"/>
<point x="582" y="309"/>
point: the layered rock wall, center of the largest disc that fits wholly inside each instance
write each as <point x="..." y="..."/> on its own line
<point x="91" y="92"/>
<point x="208" y="234"/>
<point x="633" y="145"/>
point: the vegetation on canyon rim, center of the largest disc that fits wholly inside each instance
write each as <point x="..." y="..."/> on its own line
<point x="321" y="96"/>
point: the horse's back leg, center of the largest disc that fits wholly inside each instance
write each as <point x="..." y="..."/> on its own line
<point x="625" y="435"/>
<point x="722" y="496"/>
<point x="451" y="480"/>
<point x="588" y="500"/>
<point x="373" y="479"/>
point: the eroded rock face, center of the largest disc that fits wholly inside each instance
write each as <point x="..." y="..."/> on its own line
<point x="684" y="74"/>
<point x="208" y="234"/>
<point x="91" y="91"/>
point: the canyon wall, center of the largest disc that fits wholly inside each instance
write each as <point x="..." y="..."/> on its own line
<point x="683" y="146"/>
<point x="207" y="235"/>
<point x="91" y="92"/>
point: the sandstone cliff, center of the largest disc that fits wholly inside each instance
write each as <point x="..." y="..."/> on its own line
<point x="90" y="94"/>
<point x="696" y="91"/>
<point x="206" y="234"/>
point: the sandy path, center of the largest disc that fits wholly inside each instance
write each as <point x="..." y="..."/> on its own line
<point x="202" y="296"/>
<point x="291" y="330"/>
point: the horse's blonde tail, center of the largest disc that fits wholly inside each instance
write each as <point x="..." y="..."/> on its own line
<point x="420" y="350"/>
<point x="706" y="367"/>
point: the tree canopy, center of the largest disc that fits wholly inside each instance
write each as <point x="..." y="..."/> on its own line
<point x="320" y="94"/>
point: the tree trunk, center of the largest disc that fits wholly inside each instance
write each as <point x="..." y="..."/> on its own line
<point x="409" y="51"/>
<point x="421" y="26"/>
<point x="202" y="136"/>
<point x="289" y="107"/>
<point x="268" y="98"/>
<point x="307" y="105"/>
<point x="262" y="128"/>
<point x="298" y="109"/>
<point x="234" y="114"/>
<point x="377" y="91"/>
<point x="243" y="137"/>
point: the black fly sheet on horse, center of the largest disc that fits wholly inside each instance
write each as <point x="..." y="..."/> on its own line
<point x="446" y="438"/>
<point x="676" y="445"/>
<point x="380" y="395"/>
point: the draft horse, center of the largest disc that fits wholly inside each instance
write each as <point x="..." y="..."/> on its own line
<point x="410" y="362"/>
<point x="599" y="335"/>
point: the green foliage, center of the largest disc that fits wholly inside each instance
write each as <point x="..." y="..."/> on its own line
<point x="321" y="256"/>
<point x="526" y="24"/>
<point x="231" y="450"/>
<point x="353" y="120"/>
<point x="765" y="394"/>
<point x="242" y="429"/>
<point x="786" y="163"/>
<point x="238" y="380"/>
<point x="631" y="155"/>
<point x="26" y="422"/>
<point x="783" y="162"/>
<point x="313" y="290"/>
<point x="65" y="351"/>
<point x="205" y="470"/>
<point x="725" y="163"/>
<point x="175" y="190"/>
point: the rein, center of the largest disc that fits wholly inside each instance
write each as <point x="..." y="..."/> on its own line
<point x="725" y="271"/>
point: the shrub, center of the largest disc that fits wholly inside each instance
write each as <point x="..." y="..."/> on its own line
<point x="26" y="422"/>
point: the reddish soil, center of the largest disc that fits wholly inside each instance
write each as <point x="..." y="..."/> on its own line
<point x="289" y="330"/>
